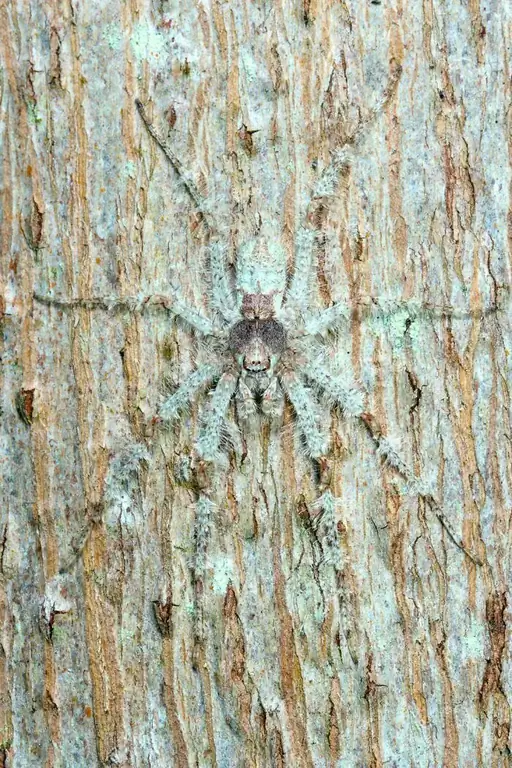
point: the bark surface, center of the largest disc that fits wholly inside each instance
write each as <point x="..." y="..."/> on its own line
<point x="399" y="654"/>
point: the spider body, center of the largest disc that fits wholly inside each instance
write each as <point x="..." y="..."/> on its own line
<point x="272" y="350"/>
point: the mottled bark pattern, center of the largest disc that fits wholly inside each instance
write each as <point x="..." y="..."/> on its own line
<point x="396" y="653"/>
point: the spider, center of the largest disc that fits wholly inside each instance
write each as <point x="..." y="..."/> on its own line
<point x="268" y="342"/>
<point x="266" y="346"/>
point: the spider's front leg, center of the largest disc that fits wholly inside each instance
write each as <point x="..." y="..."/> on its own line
<point x="341" y="155"/>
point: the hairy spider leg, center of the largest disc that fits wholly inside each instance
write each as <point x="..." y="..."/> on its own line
<point x="325" y="525"/>
<point x="191" y="316"/>
<point x="339" y="391"/>
<point x="207" y="446"/>
<point x="175" y="304"/>
<point x="179" y="400"/>
<point x="351" y="401"/>
<point x="307" y="413"/>
<point x="295" y="315"/>
<point x="175" y="162"/>
<point x="223" y="298"/>
<point x="332" y="317"/>
<point x="327" y="319"/>
<point x="212" y="426"/>
<point x="202" y="531"/>
<point x="298" y="294"/>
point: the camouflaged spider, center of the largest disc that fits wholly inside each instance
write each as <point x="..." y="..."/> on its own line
<point x="267" y="345"/>
<point x="262" y="331"/>
<point x="269" y="341"/>
<point x="268" y="348"/>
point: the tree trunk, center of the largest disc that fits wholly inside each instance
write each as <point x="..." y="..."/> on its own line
<point x="396" y="651"/>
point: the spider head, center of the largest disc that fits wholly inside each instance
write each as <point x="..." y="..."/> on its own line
<point x="258" y="341"/>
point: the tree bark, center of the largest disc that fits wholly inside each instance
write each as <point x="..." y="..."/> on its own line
<point x="398" y="654"/>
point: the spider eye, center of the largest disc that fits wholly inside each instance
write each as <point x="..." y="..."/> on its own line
<point x="272" y="335"/>
<point x="240" y="334"/>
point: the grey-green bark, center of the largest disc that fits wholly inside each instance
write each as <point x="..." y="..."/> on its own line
<point x="401" y="654"/>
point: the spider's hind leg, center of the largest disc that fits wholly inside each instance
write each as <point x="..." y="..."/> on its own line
<point x="351" y="400"/>
<point x="212" y="427"/>
<point x="323" y="511"/>
<point x="307" y="412"/>
<point x="208" y="449"/>
<point x="204" y="509"/>
<point x="324" y="521"/>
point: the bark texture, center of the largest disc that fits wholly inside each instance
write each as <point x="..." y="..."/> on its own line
<point x="400" y="655"/>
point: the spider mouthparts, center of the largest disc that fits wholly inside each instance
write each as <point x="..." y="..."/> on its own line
<point x="257" y="381"/>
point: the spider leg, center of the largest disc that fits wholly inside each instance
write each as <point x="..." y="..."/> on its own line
<point x="202" y="530"/>
<point x="207" y="446"/>
<point x="327" y="319"/>
<point x="351" y="400"/>
<point x="338" y="390"/>
<point x="387" y="448"/>
<point x="170" y="409"/>
<point x="307" y="412"/>
<point x="223" y="297"/>
<point x="211" y="430"/>
<point x="174" y="304"/>
<point x="297" y="296"/>
<point x="298" y="293"/>
<point x="324" y="522"/>
<point x="174" y="160"/>
<point x="191" y="316"/>
<point x="332" y="317"/>
<point x="107" y="303"/>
